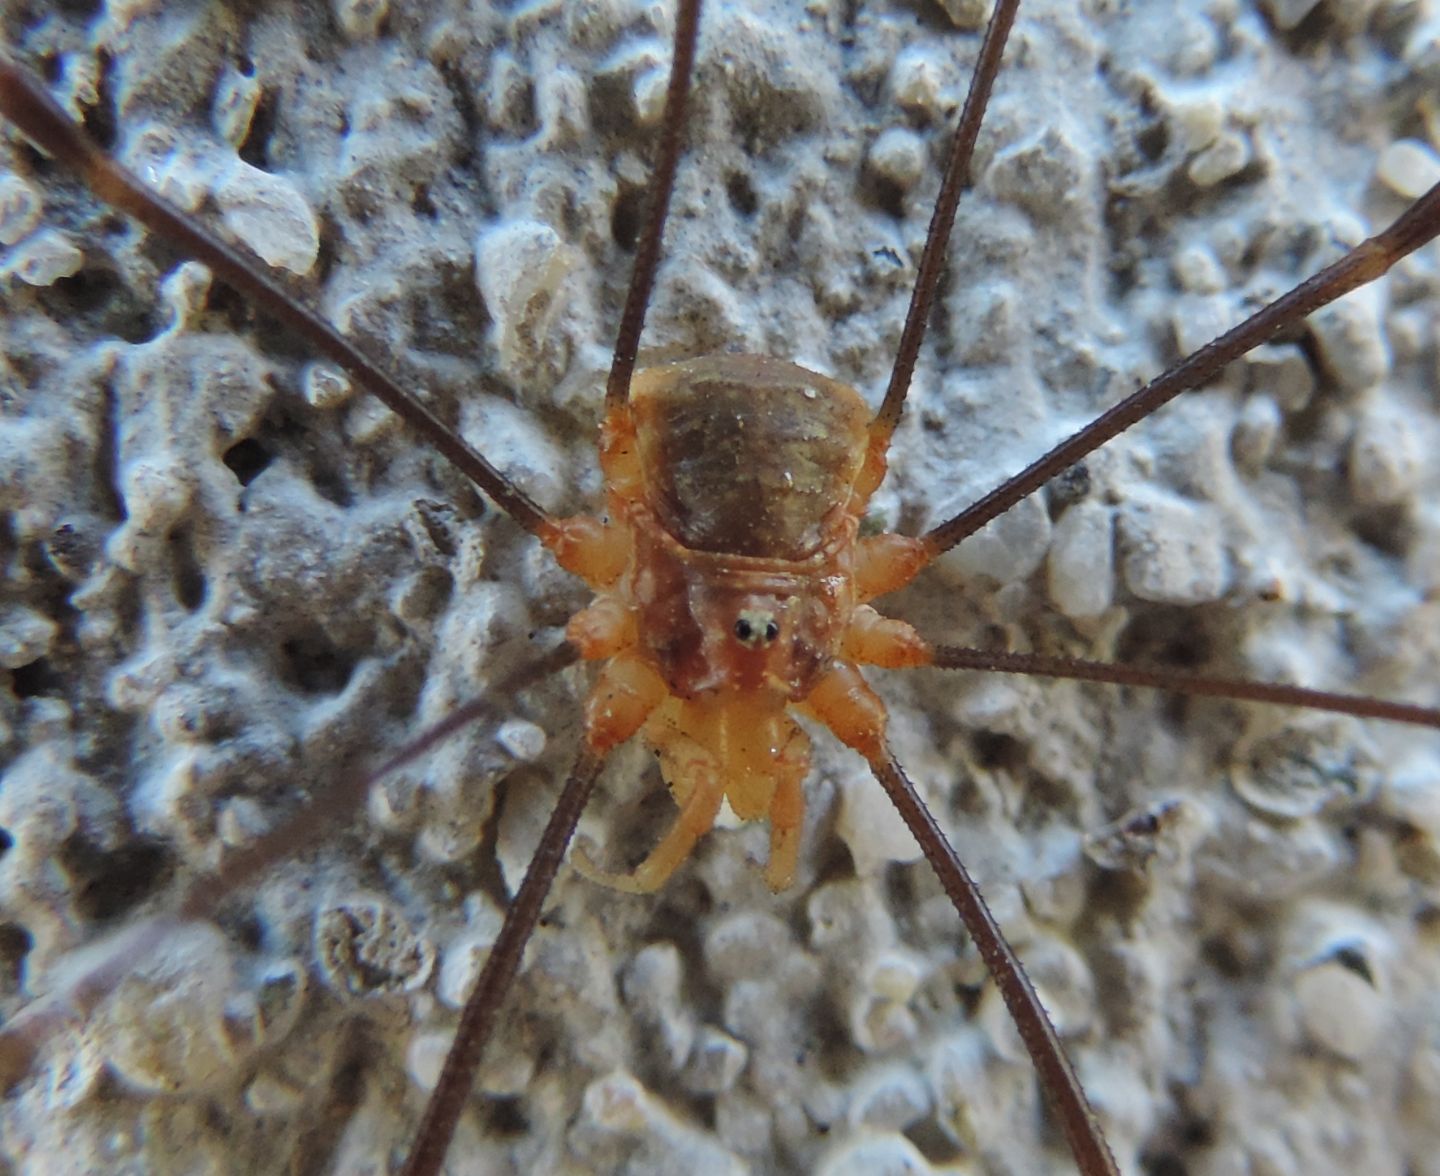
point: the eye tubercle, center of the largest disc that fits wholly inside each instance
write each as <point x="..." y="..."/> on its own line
<point x="755" y="627"/>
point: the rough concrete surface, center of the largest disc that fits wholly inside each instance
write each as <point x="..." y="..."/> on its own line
<point x="229" y="580"/>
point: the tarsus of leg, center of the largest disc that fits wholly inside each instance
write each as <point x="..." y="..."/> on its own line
<point x="341" y="799"/>
<point x="437" y="1127"/>
<point x="957" y="657"/>
<point x="27" y="104"/>
<point x="1419" y="224"/>
<point x="75" y="997"/>
<point x="71" y="1000"/>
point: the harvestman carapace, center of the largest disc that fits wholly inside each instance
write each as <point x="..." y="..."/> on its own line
<point x="720" y="608"/>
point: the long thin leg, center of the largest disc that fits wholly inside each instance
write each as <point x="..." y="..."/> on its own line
<point x="662" y="183"/>
<point x="342" y="798"/>
<point x="443" y="1111"/>
<point x="1057" y="1075"/>
<point x="957" y="657"/>
<point x="937" y="238"/>
<point x="24" y="1034"/>
<point x="478" y="1018"/>
<point x="27" y="104"/>
<point x="1417" y="225"/>
<point x="846" y="704"/>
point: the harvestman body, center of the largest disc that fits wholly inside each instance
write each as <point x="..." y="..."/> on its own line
<point x="757" y="632"/>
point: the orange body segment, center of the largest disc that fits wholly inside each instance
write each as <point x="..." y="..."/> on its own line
<point x="588" y="547"/>
<point x="620" y="701"/>
<point x="603" y="629"/>
<point x="844" y="702"/>
<point x="886" y="563"/>
<point x="873" y="640"/>
<point x="787" y="817"/>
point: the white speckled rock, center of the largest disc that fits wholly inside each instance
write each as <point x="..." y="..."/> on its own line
<point x="44" y="258"/>
<point x="20" y="209"/>
<point x="1081" y="563"/>
<point x="228" y="578"/>
<point x="1173" y="552"/>
<point x="269" y="215"/>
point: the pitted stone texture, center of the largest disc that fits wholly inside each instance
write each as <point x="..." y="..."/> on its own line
<point x="230" y="578"/>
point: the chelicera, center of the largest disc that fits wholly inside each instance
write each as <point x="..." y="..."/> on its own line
<point x="712" y="626"/>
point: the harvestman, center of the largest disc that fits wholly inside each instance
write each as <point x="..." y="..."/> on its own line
<point x="581" y="548"/>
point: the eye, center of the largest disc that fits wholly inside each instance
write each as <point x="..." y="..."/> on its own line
<point x="755" y="627"/>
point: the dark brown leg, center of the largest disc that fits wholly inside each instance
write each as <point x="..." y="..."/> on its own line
<point x="24" y="1034"/>
<point x="442" y="1113"/>
<point x="27" y="104"/>
<point x="1417" y="225"/>
<point x="937" y="239"/>
<point x="954" y="657"/>
<point x="1057" y="1075"/>
<point x="483" y="1006"/>
<point x="662" y="183"/>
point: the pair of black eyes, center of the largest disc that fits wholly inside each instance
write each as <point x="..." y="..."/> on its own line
<point x="745" y="631"/>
